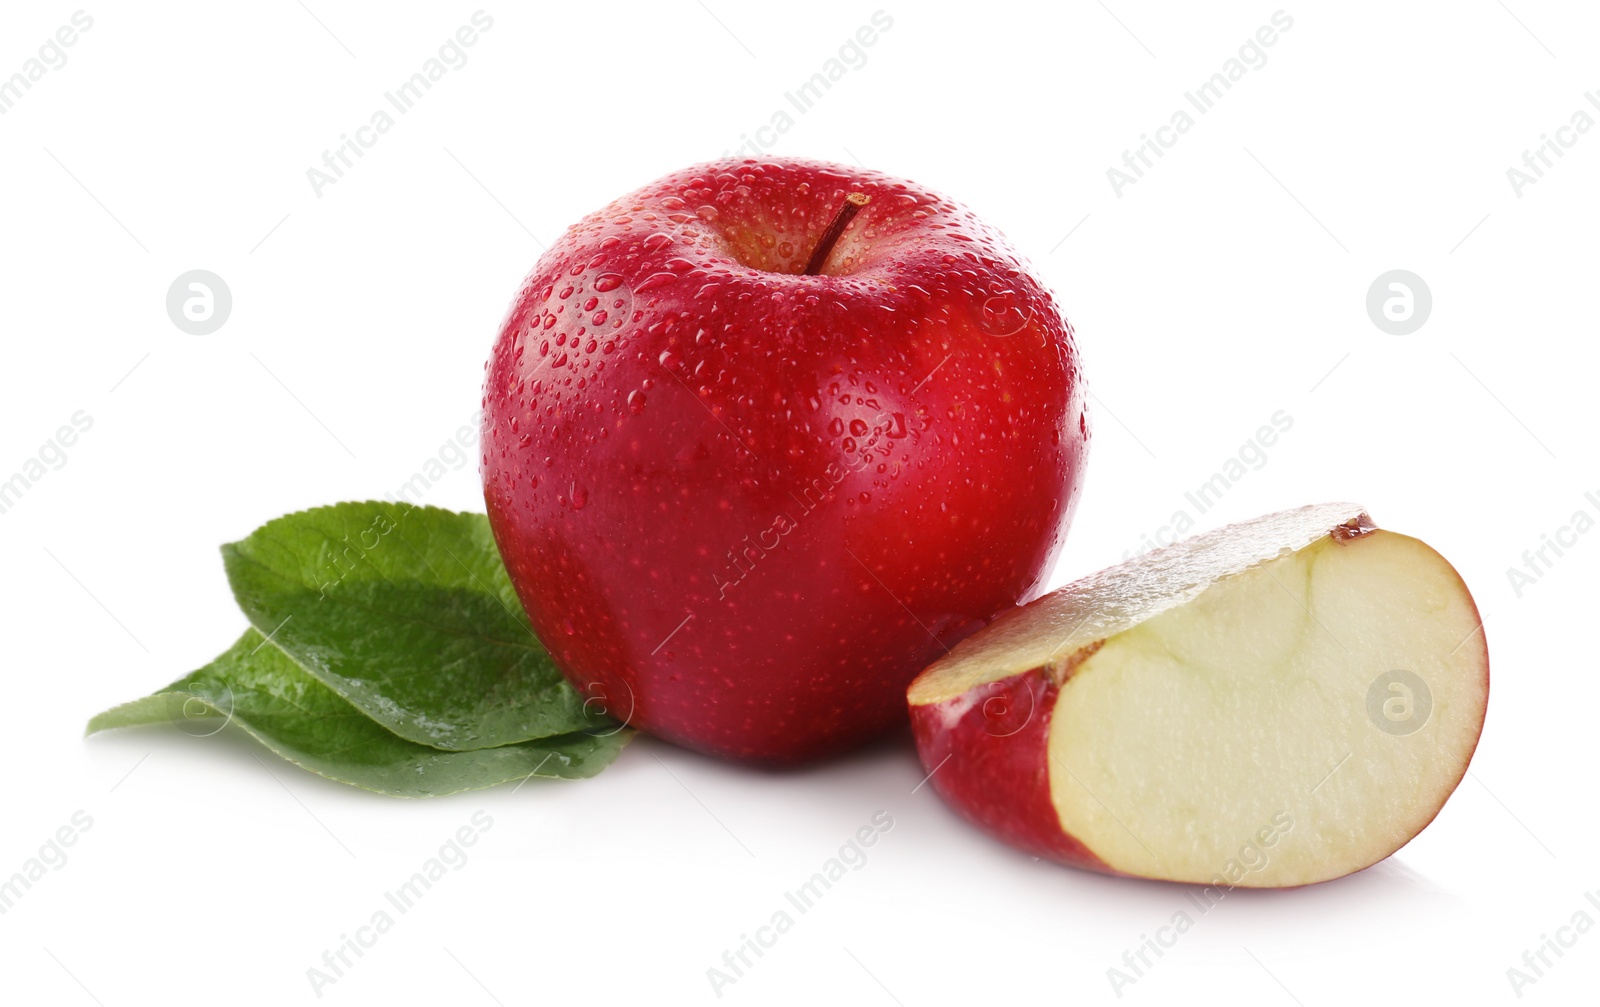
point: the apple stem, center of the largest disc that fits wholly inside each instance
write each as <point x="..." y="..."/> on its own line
<point x="847" y="210"/>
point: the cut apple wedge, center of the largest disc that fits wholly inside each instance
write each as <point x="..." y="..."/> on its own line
<point x="1275" y="703"/>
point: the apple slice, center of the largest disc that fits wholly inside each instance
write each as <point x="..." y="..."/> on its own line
<point x="1275" y="703"/>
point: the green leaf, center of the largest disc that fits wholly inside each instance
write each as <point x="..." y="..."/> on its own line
<point x="258" y="687"/>
<point x="407" y="612"/>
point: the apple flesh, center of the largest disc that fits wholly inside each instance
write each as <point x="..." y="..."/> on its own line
<point x="1276" y="703"/>
<point x="752" y="467"/>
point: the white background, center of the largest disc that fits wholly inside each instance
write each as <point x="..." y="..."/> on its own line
<point x="1227" y="284"/>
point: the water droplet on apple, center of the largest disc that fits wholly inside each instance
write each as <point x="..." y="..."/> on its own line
<point x="607" y="281"/>
<point x="655" y="280"/>
<point x="580" y="496"/>
<point x="836" y="427"/>
<point x="858" y="427"/>
<point x="636" y="401"/>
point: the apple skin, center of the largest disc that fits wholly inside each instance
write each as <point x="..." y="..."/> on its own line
<point x="988" y="756"/>
<point x="744" y="506"/>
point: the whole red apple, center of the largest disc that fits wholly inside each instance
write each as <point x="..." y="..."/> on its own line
<point x="763" y="438"/>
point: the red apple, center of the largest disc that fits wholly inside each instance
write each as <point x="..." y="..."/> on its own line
<point x="743" y="500"/>
<point x="1276" y="703"/>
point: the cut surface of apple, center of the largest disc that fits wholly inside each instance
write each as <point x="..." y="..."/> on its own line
<point x="1275" y="703"/>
